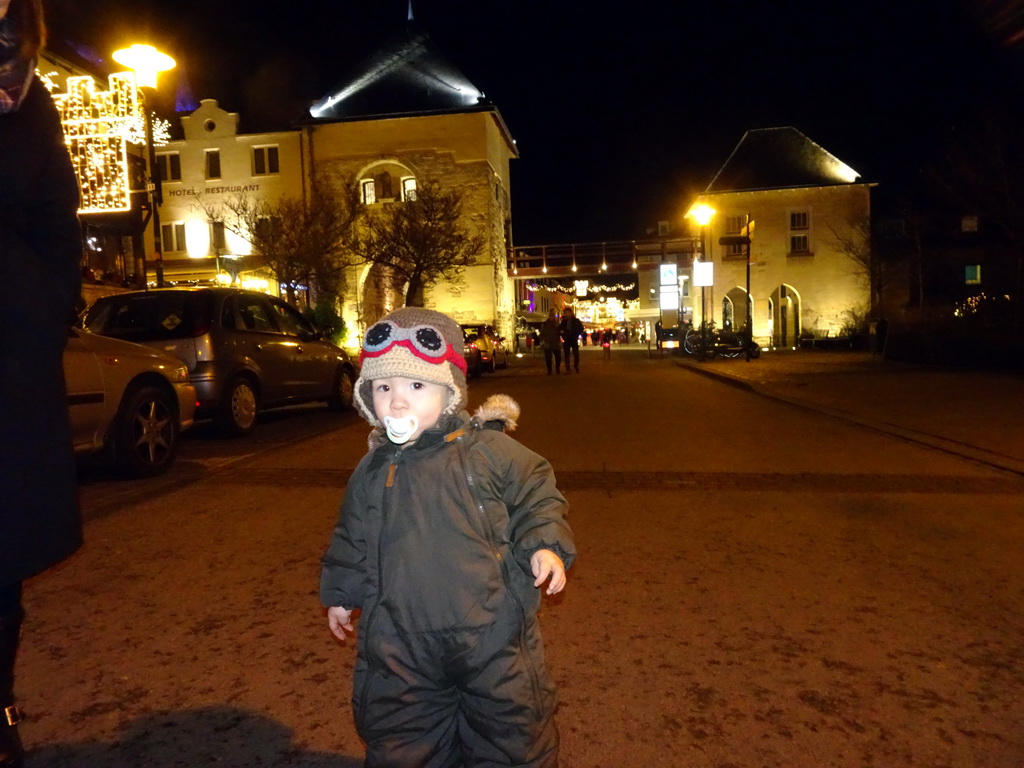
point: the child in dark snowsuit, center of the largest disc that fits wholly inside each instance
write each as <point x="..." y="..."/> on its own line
<point x="447" y="532"/>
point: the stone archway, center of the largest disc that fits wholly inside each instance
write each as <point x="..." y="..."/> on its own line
<point x="786" y="316"/>
<point x="739" y="308"/>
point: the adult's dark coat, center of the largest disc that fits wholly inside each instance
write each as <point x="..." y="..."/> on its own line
<point x="40" y="250"/>
<point x="434" y="545"/>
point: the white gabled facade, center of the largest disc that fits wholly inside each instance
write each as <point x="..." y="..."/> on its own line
<point x="809" y="212"/>
<point x="212" y="164"/>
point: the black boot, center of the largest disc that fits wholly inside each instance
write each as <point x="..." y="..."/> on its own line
<point x="11" y="750"/>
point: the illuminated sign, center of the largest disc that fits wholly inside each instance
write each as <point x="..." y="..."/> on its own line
<point x="703" y="274"/>
<point x="668" y="298"/>
<point x="668" y="274"/>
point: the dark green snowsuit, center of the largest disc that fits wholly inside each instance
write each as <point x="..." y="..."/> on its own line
<point x="433" y="544"/>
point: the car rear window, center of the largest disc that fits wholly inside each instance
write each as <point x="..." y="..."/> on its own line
<point x="151" y="316"/>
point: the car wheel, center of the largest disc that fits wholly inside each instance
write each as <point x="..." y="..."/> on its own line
<point x="239" y="408"/>
<point x="146" y="432"/>
<point x="344" y="392"/>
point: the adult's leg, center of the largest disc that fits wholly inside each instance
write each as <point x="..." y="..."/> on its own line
<point x="567" y="349"/>
<point x="576" y="355"/>
<point x="11" y="614"/>
<point x="558" y="359"/>
<point x="547" y="358"/>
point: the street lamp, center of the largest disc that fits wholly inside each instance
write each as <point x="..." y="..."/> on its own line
<point x="702" y="214"/>
<point x="147" y="62"/>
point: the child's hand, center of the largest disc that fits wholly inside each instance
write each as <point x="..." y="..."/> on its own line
<point x="340" y="621"/>
<point x="546" y="564"/>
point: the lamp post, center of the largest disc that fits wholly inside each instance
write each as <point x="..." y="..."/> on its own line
<point x="744" y="239"/>
<point x="146" y="61"/>
<point x="702" y="214"/>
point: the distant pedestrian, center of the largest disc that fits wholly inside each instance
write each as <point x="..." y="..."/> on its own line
<point x="606" y="344"/>
<point x="571" y="329"/>
<point x="40" y="240"/>
<point x="551" y="342"/>
<point x="449" y="533"/>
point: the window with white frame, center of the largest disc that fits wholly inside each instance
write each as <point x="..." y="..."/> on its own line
<point x="408" y="188"/>
<point x="265" y="160"/>
<point x="799" y="227"/>
<point x="369" y="191"/>
<point x="213" y="163"/>
<point x="218" y="239"/>
<point x="734" y="226"/>
<point x="168" y="166"/>
<point x="172" y="235"/>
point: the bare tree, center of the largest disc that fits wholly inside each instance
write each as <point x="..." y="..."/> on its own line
<point x="855" y="241"/>
<point x="422" y="241"/>
<point x="306" y="240"/>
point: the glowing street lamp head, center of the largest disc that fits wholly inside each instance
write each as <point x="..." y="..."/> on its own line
<point x="702" y="213"/>
<point x="146" y="61"/>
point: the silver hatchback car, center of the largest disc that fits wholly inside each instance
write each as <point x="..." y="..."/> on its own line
<point x="126" y="401"/>
<point x="245" y="351"/>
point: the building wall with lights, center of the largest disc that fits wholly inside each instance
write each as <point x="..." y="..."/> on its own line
<point x="205" y="170"/>
<point x="468" y="151"/>
<point x="801" y="279"/>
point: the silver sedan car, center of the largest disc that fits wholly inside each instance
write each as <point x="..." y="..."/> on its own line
<point x="129" y="401"/>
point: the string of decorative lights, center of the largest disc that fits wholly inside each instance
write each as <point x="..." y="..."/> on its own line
<point x="98" y="126"/>
<point x="573" y="288"/>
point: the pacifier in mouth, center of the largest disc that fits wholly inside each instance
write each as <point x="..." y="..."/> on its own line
<point x="400" y="429"/>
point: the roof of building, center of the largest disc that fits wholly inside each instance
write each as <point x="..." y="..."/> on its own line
<point x="406" y="75"/>
<point x="779" y="158"/>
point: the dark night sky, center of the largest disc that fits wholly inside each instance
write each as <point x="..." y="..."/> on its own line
<point x="621" y="112"/>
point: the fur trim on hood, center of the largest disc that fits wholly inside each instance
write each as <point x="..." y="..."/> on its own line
<point x="500" y="408"/>
<point x="497" y="412"/>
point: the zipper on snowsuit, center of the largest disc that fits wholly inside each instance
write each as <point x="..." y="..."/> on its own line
<point x="502" y="566"/>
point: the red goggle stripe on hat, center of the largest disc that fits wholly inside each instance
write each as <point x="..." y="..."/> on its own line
<point x="424" y="341"/>
<point x="449" y="356"/>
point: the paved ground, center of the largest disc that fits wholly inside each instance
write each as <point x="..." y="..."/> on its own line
<point x="978" y="414"/>
<point x="843" y="616"/>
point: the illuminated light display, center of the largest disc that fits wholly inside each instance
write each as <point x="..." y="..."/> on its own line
<point x="97" y="126"/>
<point x="573" y="289"/>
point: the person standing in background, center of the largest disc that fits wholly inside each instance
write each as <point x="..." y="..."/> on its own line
<point x="571" y="329"/>
<point x="551" y="342"/>
<point x="40" y="241"/>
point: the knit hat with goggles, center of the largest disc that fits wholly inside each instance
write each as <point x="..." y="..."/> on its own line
<point x="414" y="343"/>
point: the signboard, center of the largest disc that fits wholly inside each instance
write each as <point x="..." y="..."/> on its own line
<point x="668" y="298"/>
<point x="669" y="275"/>
<point x="703" y="274"/>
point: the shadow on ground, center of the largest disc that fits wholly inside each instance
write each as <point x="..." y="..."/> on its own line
<point x="190" y="739"/>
